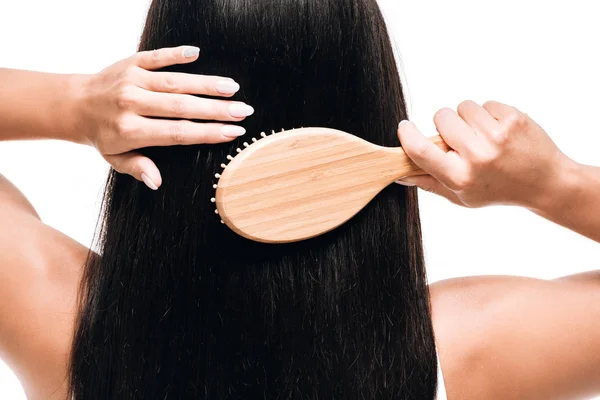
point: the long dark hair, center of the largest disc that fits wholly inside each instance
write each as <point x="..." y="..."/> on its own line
<point x="179" y="307"/>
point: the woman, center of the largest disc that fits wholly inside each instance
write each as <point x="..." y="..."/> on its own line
<point x="177" y="306"/>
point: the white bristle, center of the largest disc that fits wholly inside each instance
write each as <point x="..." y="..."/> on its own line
<point x="229" y="158"/>
<point x="246" y="144"/>
<point x="263" y="134"/>
<point x="282" y="130"/>
<point x="222" y="221"/>
<point x="217" y="212"/>
<point x="213" y="200"/>
<point x="214" y="186"/>
<point x="272" y="132"/>
<point x="217" y="176"/>
<point x="223" y="165"/>
<point x="238" y="150"/>
<point x="254" y="140"/>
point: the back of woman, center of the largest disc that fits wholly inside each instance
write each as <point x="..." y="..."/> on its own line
<point x="177" y="306"/>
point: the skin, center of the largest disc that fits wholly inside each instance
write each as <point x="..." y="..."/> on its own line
<point x="497" y="337"/>
<point x="114" y="109"/>
<point x="501" y="156"/>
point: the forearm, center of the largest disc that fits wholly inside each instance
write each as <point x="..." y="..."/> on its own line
<point x="36" y="105"/>
<point x="575" y="201"/>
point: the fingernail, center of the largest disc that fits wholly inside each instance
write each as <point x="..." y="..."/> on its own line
<point x="399" y="182"/>
<point x="404" y="122"/>
<point x="240" y="110"/>
<point x="190" y="52"/>
<point x="232" y="131"/>
<point x="227" y="87"/>
<point x="149" y="182"/>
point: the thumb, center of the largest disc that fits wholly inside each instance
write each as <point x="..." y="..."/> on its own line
<point x="140" y="167"/>
<point x="432" y="185"/>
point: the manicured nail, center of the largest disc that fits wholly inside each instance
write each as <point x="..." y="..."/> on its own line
<point x="240" y="110"/>
<point x="227" y="87"/>
<point x="404" y="122"/>
<point x="149" y="182"/>
<point x="190" y="52"/>
<point x="232" y="131"/>
<point x="399" y="182"/>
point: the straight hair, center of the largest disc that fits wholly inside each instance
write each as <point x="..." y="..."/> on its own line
<point x="177" y="306"/>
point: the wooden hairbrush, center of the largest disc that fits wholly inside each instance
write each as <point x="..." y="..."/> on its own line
<point x="298" y="184"/>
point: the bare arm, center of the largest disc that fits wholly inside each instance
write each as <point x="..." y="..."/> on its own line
<point x="510" y="337"/>
<point x="501" y="156"/>
<point x="538" y="339"/>
<point x="36" y="105"/>
<point x="39" y="273"/>
<point x="576" y="202"/>
<point x="125" y="107"/>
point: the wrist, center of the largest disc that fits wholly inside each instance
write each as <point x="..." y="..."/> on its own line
<point x="75" y="96"/>
<point x="567" y="183"/>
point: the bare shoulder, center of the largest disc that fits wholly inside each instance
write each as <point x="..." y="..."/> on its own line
<point x="40" y="269"/>
<point x="12" y="200"/>
<point x="504" y="337"/>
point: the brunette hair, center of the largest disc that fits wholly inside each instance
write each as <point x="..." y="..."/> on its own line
<point x="177" y="306"/>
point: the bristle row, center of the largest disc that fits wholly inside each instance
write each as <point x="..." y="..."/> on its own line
<point x="230" y="158"/>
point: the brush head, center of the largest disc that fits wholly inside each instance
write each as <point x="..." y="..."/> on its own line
<point x="298" y="184"/>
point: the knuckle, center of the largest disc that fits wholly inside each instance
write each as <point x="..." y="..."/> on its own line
<point x="155" y="55"/>
<point x="126" y="97"/>
<point x="440" y="114"/>
<point x="488" y="104"/>
<point x="515" y="120"/>
<point x="177" y="132"/>
<point x="483" y="158"/>
<point x="169" y="84"/>
<point x="218" y="111"/>
<point x="129" y="73"/>
<point x="208" y="86"/>
<point x="464" y="106"/>
<point x="420" y="150"/>
<point x="178" y="108"/>
<point x="500" y="136"/>
<point x="204" y="136"/>
<point x="126" y="126"/>
<point x="471" y="147"/>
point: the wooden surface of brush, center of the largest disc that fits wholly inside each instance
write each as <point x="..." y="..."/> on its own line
<point x="298" y="184"/>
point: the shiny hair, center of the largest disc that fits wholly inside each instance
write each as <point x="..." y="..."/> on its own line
<point x="177" y="306"/>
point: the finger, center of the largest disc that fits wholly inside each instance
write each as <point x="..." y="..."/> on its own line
<point x="430" y="184"/>
<point x="140" y="167"/>
<point x="157" y="59"/>
<point x="499" y="110"/>
<point x="159" y="132"/>
<point x="477" y="118"/>
<point x="183" y="106"/>
<point x="171" y="82"/>
<point x="427" y="155"/>
<point x="455" y="131"/>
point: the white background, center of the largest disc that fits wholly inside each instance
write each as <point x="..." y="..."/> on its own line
<point x="540" y="56"/>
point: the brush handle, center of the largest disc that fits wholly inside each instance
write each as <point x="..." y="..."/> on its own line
<point x="396" y="164"/>
<point x="409" y="168"/>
